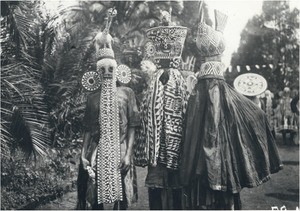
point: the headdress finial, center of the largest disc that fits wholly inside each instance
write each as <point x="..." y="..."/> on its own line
<point x="221" y="20"/>
<point x="103" y="39"/>
<point x="111" y="13"/>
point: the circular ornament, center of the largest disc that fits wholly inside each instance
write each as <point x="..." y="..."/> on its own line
<point x="250" y="84"/>
<point x="123" y="74"/>
<point x="149" y="49"/>
<point x="91" y="81"/>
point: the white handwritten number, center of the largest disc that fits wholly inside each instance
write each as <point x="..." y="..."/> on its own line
<point x="281" y="208"/>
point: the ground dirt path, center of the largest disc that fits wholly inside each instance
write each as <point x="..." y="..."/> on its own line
<point x="281" y="191"/>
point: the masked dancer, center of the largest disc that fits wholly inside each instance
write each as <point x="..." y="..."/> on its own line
<point x="107" y="174"/>
<point x="228" y="142"/>
<point x="163" y="112"/>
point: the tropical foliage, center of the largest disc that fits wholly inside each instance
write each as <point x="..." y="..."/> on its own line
<point x="24" y="114"/>
<point x="28" y="40"/>
<point x="24" y="185"/>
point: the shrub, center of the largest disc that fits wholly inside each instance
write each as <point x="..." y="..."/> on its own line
<point x="24" y="182"/>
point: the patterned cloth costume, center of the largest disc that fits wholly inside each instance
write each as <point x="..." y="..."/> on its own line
<point x="228" y="142"/>
<point x="109" y="113"/>
<point x="163" y="111"/>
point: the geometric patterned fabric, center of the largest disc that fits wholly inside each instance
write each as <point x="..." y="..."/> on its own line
<point x="163" y="111"/>
<point x="211" y="68"/>
<point x="209" y="41"/>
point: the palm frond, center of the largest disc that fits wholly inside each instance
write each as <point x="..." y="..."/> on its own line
<point x="5" y="138"/>
<point x="24" y="117"/>
<point x="20" y="24"/>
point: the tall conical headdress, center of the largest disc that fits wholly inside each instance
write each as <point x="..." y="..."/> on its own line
<point x="210" y="41"/>
<point x="165" y="44"/>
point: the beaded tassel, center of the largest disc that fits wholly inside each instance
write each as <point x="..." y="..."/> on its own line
<point x="109" y="184"/>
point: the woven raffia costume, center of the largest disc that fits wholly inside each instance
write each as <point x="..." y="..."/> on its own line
<point x="110" y="112"/>
<point x="228" y="143"/>
<point x="163" y="112"/>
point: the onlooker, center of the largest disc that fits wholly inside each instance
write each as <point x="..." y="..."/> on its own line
<point x="295" y="109"/>
<point x="267" y="100"/>
<point x="286" y="125"/>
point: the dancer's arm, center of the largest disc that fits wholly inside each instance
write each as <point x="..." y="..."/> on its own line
<point x="86" y="143"/>
<point x="87" y="121"/>
<point x="128" y="155"/>
<point x="133" y="122"/>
